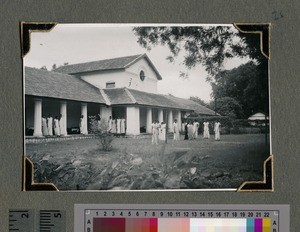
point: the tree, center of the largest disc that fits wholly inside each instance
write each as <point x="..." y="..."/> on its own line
<point x="228" y="106"/>
<point x="200" y="101"/>
<point x="245" y="85"/>
<point x="208" y="45"/>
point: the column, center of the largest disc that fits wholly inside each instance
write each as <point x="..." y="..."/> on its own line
<point x="149" y="121"/>
<point x="37" y="118"/>
<point x="170" y="121"/>
<point x="63" y="119"/>
<point x="178" y="117"/>
<point x="132" y="120"/>
<point x="160" y="115"/>
<point x="84" y="113"/>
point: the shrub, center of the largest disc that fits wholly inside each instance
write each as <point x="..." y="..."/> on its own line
<point x="100" y="129"/>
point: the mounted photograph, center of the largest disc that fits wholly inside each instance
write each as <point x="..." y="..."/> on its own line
<point x="160" y="107"/>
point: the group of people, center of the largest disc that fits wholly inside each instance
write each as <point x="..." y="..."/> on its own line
<point x="51" y="126"/>
<point x="158" y="131"/>
<point x="117" y="126"/>
<point x="191" y="129"/>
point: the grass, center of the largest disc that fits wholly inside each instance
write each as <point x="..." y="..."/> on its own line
<point x="136" y="164"/>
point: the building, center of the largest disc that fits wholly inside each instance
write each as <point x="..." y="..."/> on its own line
<point x="124" y="87"/>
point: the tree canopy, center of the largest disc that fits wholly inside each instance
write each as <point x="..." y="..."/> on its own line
<point x="245" y="85"/>
<point x="206" y="45"/>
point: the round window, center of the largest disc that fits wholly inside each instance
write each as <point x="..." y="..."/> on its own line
<point x="142" y="75"/>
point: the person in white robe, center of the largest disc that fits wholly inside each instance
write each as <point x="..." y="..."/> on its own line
<point x="56" y="126"/>
<point x="44" y="126"/>
<point x="195" y="129"/>
<point x="162" y="134"/>
<point x="82" y="125"/>
<point x="190" y="130"/>
<point x="50" y="125"/>
<point x="176" y="130"/>
<point x="217" y="130"/>
<point x="206" y="134"/>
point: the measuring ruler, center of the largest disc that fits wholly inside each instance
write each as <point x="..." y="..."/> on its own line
<point x="21" y="220"/>
<point x="52" y="221"/>
<point x="48" y="221"/>
<point x="181" y="218"/>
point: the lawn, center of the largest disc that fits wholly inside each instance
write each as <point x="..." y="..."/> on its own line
<point x="136" y="164"/>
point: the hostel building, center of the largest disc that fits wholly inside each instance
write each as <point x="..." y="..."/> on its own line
<point x="124" y="87"/>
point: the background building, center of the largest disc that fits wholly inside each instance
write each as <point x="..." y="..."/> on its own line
<point x="124" y="87"/>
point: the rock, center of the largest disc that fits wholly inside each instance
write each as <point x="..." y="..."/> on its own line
<point x="206" y="157"/>
<point x="155" y="175"/>
<point x="193" y="170"/>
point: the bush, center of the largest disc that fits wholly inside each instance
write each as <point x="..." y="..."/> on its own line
<point x="100" y="129"/>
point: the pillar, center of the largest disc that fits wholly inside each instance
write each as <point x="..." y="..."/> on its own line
<point x="178" y="117"/>
<point x="132" y="120"/>
<point x="63" y="119"/>
<point x="160" y="115"/>
<point x="84" y="113"/>
<point x="149" y="121"/>
<point x="170" y="121"/>
<point x="37" y="118"/>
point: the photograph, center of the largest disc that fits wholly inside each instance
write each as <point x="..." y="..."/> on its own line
<point x="146" y="107"/>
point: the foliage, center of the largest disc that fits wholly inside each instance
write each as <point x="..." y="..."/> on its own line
<point x="99" y="128"/>
<point x="66" y="174"/>
<point x="245" y="85"/>
<point x="201" y="102"/>
<point x="206" y="45"/>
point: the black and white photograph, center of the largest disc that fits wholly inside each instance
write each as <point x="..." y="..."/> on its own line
<point x="159" y="107"/>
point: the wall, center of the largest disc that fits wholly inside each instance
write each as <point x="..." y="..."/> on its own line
<point x="129" y="78"/>
<point x="150" y="82"/>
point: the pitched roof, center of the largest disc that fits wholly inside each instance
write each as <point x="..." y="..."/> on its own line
<point x="118" y="63"/>
<point x="57" y="85"/>
<point x="121" y="96"/>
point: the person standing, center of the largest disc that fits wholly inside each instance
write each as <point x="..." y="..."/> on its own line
<point x="195" y="129"/>
<point x="176" y="130"/>
<point x="82" y="125"/>
<point x="190" y="130"/>
<point x="162" y="131"/>
<point x="206" y="130"/>
<point x="56" y="126"/>
<point x="186" y="137"/>
<point x="217" y="130"/>
<point x="44" y="126"/>
<point x="50" y="125"/>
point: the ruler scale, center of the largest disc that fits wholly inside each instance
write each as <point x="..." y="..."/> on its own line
<point x="21" y="220"/>
<point x="52" y="221"/>
<point x="179" y="218"/>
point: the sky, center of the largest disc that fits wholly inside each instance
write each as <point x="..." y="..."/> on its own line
<point x="78" y="43"/>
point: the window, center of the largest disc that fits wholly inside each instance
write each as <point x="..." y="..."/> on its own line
<point x="142" y="75"/>
<point x="110" y="85"/>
